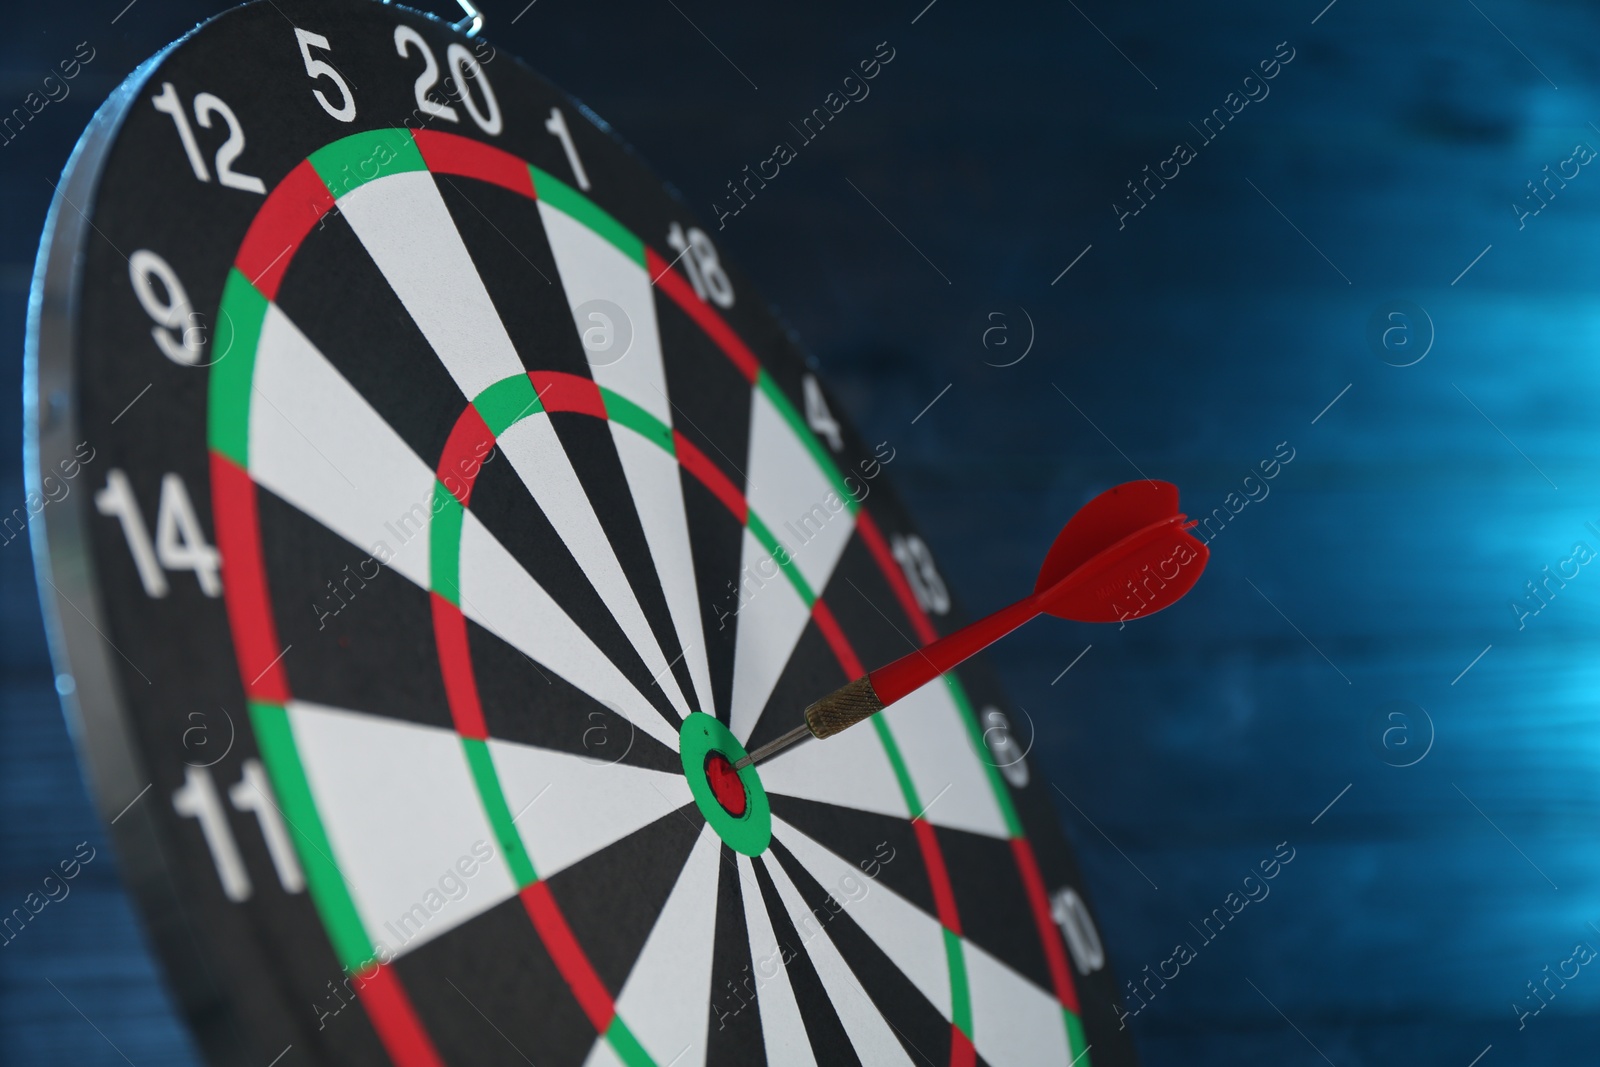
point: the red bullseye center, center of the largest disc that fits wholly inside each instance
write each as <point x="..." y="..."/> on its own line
<point x="725" y="784"/>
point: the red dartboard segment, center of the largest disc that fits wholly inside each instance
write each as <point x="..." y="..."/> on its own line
<point x="469" y="441"/>
<point x="559" y="391"/>
<point x="255" y="634"/>
<point x="962" y="1053"/>
<point x="675" y="285"/>
<point x="944" y="896"/>
<point x="395" y="1019"/>
<point x="569" y="956"/>
<point x="1039" y="904"/>
<point x="296" y="204"/>
<point x="708" y="474"/>
<point x="455" y="662"/>
<point x="450" y="153"/>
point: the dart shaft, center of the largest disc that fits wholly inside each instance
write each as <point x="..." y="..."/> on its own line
<point x="916" y="669"/>
<point x="866" y="696"/>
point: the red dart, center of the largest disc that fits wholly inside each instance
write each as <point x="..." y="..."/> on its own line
<point x="1126" y="554"/>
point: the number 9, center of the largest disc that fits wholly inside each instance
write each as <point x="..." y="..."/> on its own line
<point x="177" y="331"/>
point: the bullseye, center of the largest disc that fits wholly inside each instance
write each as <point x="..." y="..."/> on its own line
<point x="733" y="801"/>
<point x="725" y="784"/>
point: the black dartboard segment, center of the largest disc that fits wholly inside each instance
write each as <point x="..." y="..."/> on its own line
<point x="454" y="507"/>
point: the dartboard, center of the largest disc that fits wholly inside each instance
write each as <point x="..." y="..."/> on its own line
<point x="435" y="518"/>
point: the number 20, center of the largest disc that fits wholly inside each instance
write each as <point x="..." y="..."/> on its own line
<point x="465" y="71"/>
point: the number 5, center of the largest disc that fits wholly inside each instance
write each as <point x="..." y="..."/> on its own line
<point x="318" y="68"/>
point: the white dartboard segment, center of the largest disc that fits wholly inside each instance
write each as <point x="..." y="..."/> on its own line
<point x="601" y="1054"/>
<point x="403" y="223"/>
<point x="404" y="820"/>
<point x="793" y="495"/>
<point x="317" y="443"/>
<point x="593" y="269"/>
<point x="536" y="453"/>
<point x="946" y="769"/>
<point x="911" y="938"/>
<point x="499" y="595"/>
<point x="599" y="281"/>
<point x="850" y="770"/>
<point x="783" y="1030"/>
<point x="801" y="509"/>
<point x="870" y="1033"/>
<point x="664" y="998"/>
<point x="657" y="488"/>
<point x="568" y="807"/>
<point x="771" y="618"/>
<point x="1013" y="1020"/>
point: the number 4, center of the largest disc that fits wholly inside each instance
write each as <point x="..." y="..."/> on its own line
<point x="818" y="417"/>
<point x="180" y="544"/>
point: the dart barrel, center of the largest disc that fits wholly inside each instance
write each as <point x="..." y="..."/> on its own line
<point x="843" y="708"/>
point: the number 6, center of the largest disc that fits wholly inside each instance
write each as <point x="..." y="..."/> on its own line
<point x="318" y="68"/>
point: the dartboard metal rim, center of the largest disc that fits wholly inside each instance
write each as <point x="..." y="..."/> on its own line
<point x="91" y="699"/>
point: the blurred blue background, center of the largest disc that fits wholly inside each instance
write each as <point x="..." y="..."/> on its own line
<point x="1373" y="580"/>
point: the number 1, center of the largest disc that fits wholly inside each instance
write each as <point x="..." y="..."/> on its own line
<point x="197" y="799"/>
<point x="117" y="500"/>
<point x="252" y="793"/>
<point x="557" y="124"/>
